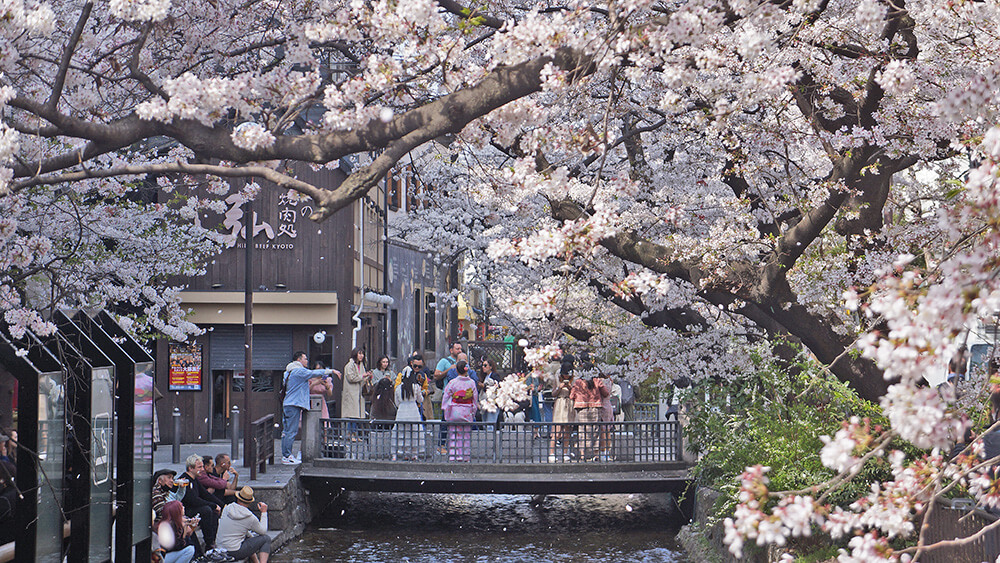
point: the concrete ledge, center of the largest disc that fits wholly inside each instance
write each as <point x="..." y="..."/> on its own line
<point x="431" y="478"/>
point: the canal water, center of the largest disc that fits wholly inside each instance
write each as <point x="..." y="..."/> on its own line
<point x="439" y="528"/>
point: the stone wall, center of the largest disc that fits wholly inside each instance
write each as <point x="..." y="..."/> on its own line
<point x="702" y="538"/>
<point x="287" y="508"/>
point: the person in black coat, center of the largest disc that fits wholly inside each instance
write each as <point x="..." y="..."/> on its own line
<point x="199" y="502"/>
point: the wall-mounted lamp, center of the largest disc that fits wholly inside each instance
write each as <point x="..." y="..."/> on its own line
<point x="216" y="285"/>
<point x="379" y="298"/>
<point x="280" y="286"/>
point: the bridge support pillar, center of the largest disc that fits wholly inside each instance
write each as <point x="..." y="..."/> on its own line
<point x="310" y="428"/>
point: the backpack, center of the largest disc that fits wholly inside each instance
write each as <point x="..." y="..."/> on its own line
<point x="616" y="404"/>
<point x="628" y="392"/>
<point x="282" y="392"/>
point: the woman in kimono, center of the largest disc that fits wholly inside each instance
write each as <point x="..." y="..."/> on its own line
<point x="408" y="439"/>
<point x="459" y="402"/>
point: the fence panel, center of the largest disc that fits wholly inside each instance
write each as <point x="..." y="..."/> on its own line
<point x="507" y="443"/>
<point x="955" y="518"/>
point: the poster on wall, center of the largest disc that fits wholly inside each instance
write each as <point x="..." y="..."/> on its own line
<point x="185" y="367"/>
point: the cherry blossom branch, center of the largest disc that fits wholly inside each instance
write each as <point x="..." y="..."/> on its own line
<point x="133" y="64"/>
<point x="282" y="180"/>
<point x="67" y="56"/>
<point x="449" y="114"/>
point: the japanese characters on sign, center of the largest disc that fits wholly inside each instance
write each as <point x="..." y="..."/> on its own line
<point x="280" y="238"/>
<point x="185" y="367"/>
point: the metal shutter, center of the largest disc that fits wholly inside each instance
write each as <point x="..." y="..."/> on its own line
<point x="272" y="347"/>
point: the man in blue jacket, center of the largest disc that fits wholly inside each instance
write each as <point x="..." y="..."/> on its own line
<point x="296" y="383"/>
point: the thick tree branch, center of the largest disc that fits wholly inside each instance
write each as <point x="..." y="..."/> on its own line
<point x="480" y="17"/>
<point x="776" y="312"/>
<point x="449" y="114"/>
<point x="680" y="319"/>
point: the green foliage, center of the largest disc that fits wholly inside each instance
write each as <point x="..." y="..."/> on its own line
<point x="775" y="419"/>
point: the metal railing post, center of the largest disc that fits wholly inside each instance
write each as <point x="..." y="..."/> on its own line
<point x="234" y="426"/>
<point x="175" y="454"/>
<point x="498" y="443"/>
<point x="679" y="443"/>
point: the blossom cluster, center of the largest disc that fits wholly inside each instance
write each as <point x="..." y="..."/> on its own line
<point x="505" y="395"/>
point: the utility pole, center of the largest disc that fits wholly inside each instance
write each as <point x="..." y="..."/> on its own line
<point x="248" y="223"/>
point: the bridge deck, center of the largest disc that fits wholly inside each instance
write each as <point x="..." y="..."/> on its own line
<point x="638" y="457"/>
<point x="500" y="479"/>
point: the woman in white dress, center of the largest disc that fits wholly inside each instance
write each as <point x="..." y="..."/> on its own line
<point x="408" y="439"/>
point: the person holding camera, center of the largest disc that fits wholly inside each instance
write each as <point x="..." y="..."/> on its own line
<point x="296" y="381"/>
<point x="356" y="379"/>
<point x="241" y="534"/>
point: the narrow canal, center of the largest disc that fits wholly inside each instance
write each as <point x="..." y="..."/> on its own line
<point x="426" y="528"/>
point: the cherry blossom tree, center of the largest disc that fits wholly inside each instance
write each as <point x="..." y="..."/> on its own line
<point x="740" y="153"/>
<point x="701" y="173"/>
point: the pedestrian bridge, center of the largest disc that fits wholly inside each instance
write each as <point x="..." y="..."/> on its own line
<point x="511" y="458"/>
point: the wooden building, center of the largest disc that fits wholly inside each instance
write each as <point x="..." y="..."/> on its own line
<point x="307" y="278"/>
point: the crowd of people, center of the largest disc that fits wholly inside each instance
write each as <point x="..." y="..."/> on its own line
<point x="207" y="500"/>
<point x="560" y="395"/>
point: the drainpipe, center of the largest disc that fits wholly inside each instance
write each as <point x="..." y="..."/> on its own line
<point x="361" y="291"/>
<point x="385" y="266"/>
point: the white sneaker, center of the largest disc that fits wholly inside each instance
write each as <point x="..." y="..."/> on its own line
<point x="298" y="457"/>
<point x="552" y="459"/>
<point x="289" y="461"/>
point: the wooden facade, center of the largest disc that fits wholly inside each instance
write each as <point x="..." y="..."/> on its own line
<point x="307" y="278"/>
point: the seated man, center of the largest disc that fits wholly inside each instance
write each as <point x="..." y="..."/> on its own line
<point x="166" y="490"/>
<point x="215" y="483"/>
<point x="199" y="502"/>
<point x="224" y="468"/>
<point x="236" y="526"/>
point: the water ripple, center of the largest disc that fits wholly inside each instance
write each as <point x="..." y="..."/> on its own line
<point x="433" y="528"/>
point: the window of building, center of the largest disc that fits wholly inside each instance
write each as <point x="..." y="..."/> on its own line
<point x="262" y="382"/>
<point x="430" y="326"/>
<point x="394" y="333"/>
<point x="418" y="307"/>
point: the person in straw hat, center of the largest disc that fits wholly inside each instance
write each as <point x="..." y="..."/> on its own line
<point x="241" y="534"/>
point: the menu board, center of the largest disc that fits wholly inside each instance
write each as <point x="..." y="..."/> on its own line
<point x="185" y="367"/>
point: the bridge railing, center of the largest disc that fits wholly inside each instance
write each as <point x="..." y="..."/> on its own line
<point x="261" y="444"/>
<point x="509" y="443"/>
<point x="647" y="411"/>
